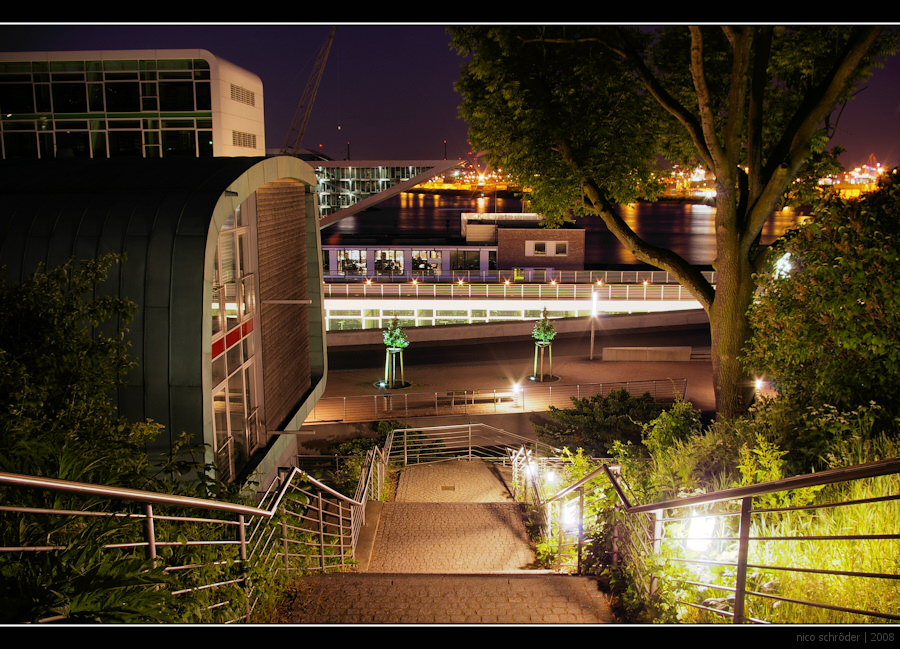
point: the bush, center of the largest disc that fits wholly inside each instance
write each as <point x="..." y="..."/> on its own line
<point x="595" y="423"/>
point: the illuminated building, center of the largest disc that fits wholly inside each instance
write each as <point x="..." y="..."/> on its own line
<point x="347" y="187"/>
<point x="131" y="103"/>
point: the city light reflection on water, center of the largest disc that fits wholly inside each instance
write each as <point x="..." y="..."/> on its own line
<point x="686" y="228"/>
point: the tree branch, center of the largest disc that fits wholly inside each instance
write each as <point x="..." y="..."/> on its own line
<point x="795" y="144"/>
<point x="666" y="100"/>
<point x="689" y="276"/>
<point x="758" y="80"/>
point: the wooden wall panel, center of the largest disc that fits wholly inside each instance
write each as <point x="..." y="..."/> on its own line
<point x="281" y="236"/>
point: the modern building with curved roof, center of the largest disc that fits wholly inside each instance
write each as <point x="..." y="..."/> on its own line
<point x="223" y="260"/>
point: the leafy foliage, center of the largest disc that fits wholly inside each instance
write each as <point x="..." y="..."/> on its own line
<point x="827" y="330"/>
<point x="532" y="104"/>
<point x="62" y="355"/>
<point x="581" y="113"/>
<point x="544" y="331"/>
<point x="594" y="423"/>
<point x="394" y="336"/>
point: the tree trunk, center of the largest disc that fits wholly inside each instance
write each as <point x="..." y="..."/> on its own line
<point x="728" y="322"/>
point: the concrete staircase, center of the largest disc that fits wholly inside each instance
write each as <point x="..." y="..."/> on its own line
<point x="451" y="549"/>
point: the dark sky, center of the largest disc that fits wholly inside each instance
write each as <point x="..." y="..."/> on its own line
<point x="388" y="89"/>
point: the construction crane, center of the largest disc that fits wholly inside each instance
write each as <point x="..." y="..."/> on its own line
<point x="295" y="133"/>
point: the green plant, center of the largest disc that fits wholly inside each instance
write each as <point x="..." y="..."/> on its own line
<point x="594" y="423"/>
<point x="678" y="423"/>
<point x="544" y="332"/>
<point x="394" y="336"/>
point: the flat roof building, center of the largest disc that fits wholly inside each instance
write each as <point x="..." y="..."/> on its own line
<point x="223" y="260"/>
<point x="128" y="103"/>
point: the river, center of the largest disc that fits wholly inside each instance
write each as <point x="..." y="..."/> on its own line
<point x="683" y="227"/>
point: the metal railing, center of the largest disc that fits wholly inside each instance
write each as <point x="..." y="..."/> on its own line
<point x="514" y="292"/>
<point x="521" y="275"/>
<point x="730" y="570"/>
<point x="299" y="525"/>
<point x="464" y="441"/>
<point x="532" y="397"/>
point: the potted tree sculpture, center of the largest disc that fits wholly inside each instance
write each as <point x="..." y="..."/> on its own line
<point x="396" y="341"/>
<point x="543" y="334"/>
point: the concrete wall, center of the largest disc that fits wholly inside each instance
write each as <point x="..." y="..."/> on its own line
<point x="647" y="353"/>
<point x="624" y="322"/>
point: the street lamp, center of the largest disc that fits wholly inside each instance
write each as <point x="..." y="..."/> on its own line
<point x="593" y="319"/>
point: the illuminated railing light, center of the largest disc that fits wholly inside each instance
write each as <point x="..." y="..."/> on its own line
<point x="699" y="532"/>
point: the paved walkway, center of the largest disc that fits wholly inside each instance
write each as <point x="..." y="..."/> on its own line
<point x="452" y="549"/>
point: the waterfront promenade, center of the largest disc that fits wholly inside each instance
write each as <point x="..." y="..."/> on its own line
<point x="438" y="367"/>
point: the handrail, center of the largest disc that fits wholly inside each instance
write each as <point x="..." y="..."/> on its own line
<point x="642" y="532"/>
<point x="329" y="519"/>
<point x="295" y="471"/>
<point x="123" y="493"/>
<point x="830" y="476"/>
<point x="500" y="431"/>
<point x="531" y="396"/>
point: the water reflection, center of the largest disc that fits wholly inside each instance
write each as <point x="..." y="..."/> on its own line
<point x="686" y="228"/>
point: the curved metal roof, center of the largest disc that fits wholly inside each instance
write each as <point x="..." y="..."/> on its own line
<point x="163" y="214"/>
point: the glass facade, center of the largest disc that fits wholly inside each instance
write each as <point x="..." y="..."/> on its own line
<point x="235" y="364"/>
<point x="343" y="186"/>
<point x="147" y="108"/>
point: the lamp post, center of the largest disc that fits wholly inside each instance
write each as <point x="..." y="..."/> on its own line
<point x="593" y="319"/>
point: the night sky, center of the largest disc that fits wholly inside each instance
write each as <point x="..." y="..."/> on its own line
<point x="388" y="89"/>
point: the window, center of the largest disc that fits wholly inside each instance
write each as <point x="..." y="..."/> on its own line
<point x="465" y="260"/>
<point x="388" y="262"/>
<point x="178" y="143"/>
<point x="546" y="248"/>
<point x="235" y="367"/>
<point x="426" y="262"/>
<point x="176" y="95"/>
<point x="351" y="262"/>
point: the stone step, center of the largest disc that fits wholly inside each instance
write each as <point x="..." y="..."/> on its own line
<point x="522" y="598"/>
<point x="451" y="538"/>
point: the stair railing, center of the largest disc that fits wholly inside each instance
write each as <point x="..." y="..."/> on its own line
<point x="299" y="524"/>
<point x="645" y="536"/>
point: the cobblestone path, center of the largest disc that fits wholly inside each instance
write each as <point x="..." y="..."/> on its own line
<point x="452" y="549"/>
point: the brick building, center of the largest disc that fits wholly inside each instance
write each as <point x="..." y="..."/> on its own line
<point x="534" y="248"/>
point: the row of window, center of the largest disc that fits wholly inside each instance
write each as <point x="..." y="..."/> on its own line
<point x="546" y="248"/>
<point x="107" y="144"/>
<point x="21" y="96"/>
<point x="235" y="368"/>
<point x="394" y="262"/>
<point x="78" y="108"/>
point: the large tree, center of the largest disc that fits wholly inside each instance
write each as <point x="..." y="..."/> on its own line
<point x="583" y="113"/>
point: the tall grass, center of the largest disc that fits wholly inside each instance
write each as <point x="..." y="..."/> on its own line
<point x="800" y="546"/>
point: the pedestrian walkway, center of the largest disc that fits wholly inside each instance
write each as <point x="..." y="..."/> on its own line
<point x="451" y="549"/>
